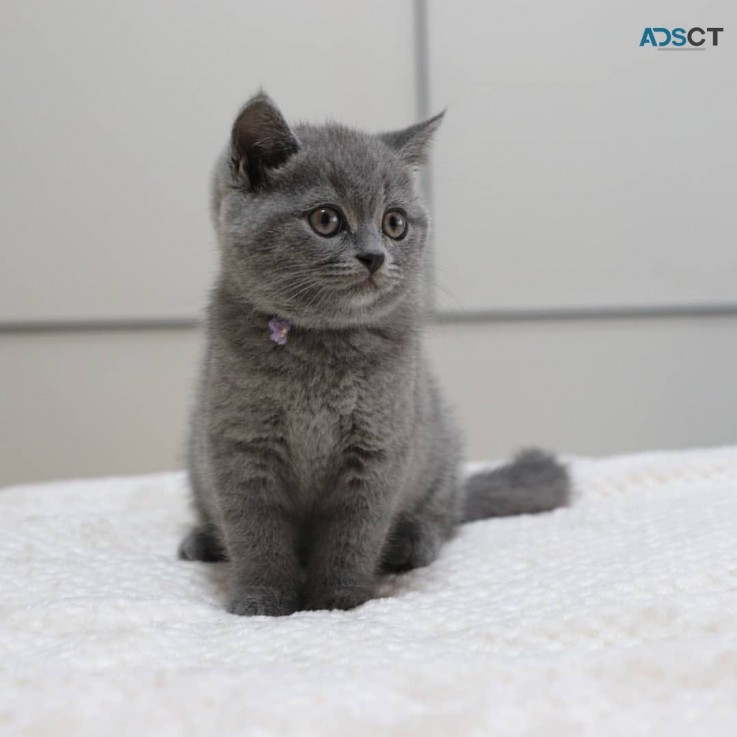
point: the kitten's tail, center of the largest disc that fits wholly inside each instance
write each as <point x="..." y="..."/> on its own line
<point x="533" y="482"/>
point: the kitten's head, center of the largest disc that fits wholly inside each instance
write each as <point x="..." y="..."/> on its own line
<point x="320" y="224"/>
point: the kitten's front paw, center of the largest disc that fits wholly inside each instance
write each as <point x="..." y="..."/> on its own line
<point x="337" y="597"/>
<point x="270" y="601"/>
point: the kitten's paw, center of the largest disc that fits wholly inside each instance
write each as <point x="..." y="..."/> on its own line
<point x="412" y="546"/>
<point x="249" y="601"/>
<point x="201" y="544"/>
<point x="337" y="597"/>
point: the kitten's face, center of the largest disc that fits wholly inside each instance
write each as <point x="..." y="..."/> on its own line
<point x="321" y="225"/>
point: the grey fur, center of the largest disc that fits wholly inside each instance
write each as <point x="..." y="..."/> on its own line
<point x="318" y="464"/>
<point x="533" y="482"/>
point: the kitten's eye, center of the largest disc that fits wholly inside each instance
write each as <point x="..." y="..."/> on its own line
<point x="325" y="221"/>
<point x="395" y="224"/>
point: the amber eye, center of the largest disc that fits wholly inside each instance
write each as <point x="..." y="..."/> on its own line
<point x="326" y="221"/>
<point x="395" y="224"/>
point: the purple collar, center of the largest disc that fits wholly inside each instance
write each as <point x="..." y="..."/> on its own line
<point x="279" y="330"/>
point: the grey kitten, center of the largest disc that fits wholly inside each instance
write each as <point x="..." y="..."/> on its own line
<point x="321" y="454"/>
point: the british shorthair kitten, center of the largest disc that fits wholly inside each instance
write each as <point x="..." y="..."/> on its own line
<point x="321" y="454"/>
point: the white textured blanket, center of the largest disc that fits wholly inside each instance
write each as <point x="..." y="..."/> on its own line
<point x="617" y="616"/>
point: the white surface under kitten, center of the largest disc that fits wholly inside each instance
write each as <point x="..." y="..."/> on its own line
<point x="615" y="616"/>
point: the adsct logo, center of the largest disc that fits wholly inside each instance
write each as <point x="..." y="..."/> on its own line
<point x="681" y="39"/>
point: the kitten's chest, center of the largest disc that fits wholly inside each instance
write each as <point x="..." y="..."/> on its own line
<point x="319" y="413"/>
<point x="316" y="397"/>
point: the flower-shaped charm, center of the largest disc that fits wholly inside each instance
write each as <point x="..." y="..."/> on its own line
<point x="279" y="330"/>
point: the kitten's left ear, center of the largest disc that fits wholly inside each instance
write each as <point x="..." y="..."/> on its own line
<point x="260" y="140"/>
<point x="413" y="143"/>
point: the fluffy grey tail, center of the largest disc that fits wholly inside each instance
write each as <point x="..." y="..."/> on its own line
<point x="533" y="482"/>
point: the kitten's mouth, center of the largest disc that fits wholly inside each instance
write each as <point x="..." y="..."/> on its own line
<point x="370" y="282"/>
<point x="357" y="293"/>
<point x="369" y="290"/>
<point x="366" y="289"/>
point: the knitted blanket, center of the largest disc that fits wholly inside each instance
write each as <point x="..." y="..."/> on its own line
<point x="616" y="616"/>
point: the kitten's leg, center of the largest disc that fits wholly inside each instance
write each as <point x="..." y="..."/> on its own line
<point x="266" y="577"/>
<point x="259" y="532"/>
<point x="203" y="542"/>
<point x="348" y="537"/>
<point x="417" y="536"/>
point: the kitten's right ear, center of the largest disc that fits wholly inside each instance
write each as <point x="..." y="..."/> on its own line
<point x="260" y="140"/>
<point x="412" y="143"/>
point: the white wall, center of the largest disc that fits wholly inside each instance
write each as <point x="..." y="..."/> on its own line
<point x="114" y="111"/>
<point x="95" y="403"/>
<point x="577" y="169"/>
<point x="574" y="170"/>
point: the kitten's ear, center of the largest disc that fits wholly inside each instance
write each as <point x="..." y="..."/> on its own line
<point x="261" y="140"/>
<point x="413" y="143"/>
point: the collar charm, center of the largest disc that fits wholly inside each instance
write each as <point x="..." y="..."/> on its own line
<point x="279" y="330"/>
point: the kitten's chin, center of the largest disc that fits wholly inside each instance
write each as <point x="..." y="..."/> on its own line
<point x="368" y="302"/>
<point x="365" y="306"/>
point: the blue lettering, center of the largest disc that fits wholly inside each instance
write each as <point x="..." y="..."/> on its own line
<point x="667" y="35"/>
<point x="648" y="38"/>
<point x="679" y="36"/>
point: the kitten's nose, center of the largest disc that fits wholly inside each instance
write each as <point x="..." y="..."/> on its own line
<point x="372" y="260"/>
